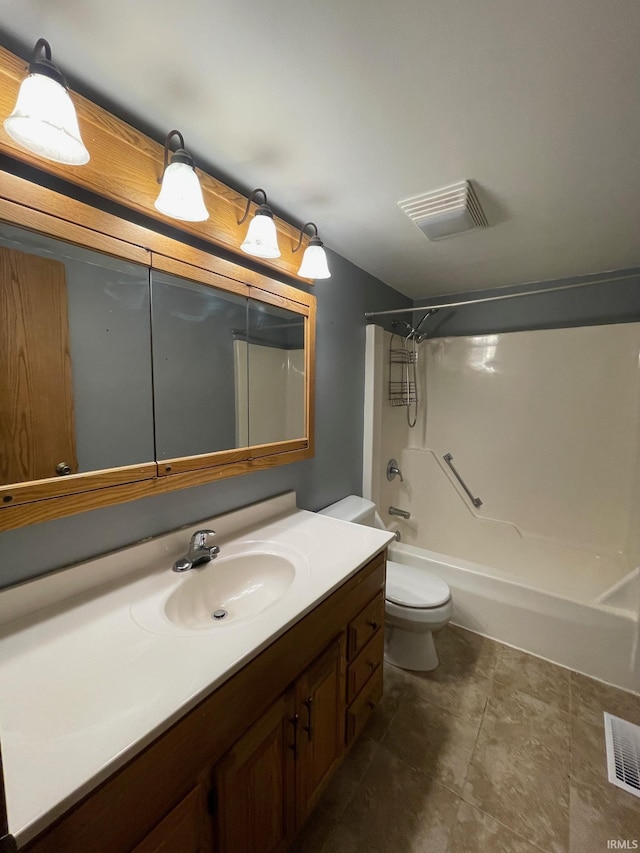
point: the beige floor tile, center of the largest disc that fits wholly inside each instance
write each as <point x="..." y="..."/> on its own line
<point x="397" y="808"/>
<point x="336" y="798"/>
<point x="464" y="653"/>
<point x="526" y="726"/>
<point x="588" y="750"/>
<point x="601" y="813"/>
<point x="347" y="778"/>
<point x="433" y="740"/>
<point x="516" y="670"/>
<point x="519" y="772"/>
<point x="590" y="698"/>
<point x="476" y="832"/>
<point x="462" y="681"/>
<point x="314" y="834"/>
<point x="397" y="687"/>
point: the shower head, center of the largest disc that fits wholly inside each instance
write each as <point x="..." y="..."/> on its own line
<point x="410" y="329"/>
<point x="414" y="333"/>
<point x="428" y="313"/>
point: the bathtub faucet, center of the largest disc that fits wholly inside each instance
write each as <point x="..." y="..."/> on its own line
<point x="393" y="510"/>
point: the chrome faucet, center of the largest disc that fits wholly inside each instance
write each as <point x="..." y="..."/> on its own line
<point x="393" y="510"/>
<point x="199" y="551"/>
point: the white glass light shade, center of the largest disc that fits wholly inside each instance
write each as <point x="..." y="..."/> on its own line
<point x="314" y="263"/>
<point x="261" y="240"/>
<point x="181" y="195"/>
<point x="44" y="121"/>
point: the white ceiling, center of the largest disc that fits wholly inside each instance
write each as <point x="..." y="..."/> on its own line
<point x="340" y="108"/>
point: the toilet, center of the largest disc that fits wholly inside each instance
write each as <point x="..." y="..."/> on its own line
<point x="416" y="602"/>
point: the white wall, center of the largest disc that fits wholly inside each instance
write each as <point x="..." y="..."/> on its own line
<point x="269" y="392"/>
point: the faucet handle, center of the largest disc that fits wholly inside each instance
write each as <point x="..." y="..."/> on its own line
<point x="199" y="548"/>
<point x="393" y="470"/>
<point x="199" y="538"/>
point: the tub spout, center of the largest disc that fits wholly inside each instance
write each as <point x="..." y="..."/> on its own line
<point x="393" y="510"/>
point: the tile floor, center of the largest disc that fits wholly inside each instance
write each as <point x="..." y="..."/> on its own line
<point x="495" y="751"/>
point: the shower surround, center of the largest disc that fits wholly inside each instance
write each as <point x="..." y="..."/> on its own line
<point x="544" y="427"/>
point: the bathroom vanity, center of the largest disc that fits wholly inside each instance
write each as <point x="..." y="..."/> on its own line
<point x="128" y="722"/>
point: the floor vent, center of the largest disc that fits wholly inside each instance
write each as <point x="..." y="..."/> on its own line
<point x="623" y="753"/>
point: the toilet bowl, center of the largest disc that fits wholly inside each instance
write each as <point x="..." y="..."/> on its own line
<point x="416" y="602"/>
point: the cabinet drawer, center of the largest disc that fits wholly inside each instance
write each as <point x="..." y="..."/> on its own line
<point x="366" y="623"/>
<point x="365" y="664"/>
<point x="360" y="711"/>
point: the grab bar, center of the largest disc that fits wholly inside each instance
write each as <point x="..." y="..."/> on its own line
<point x="448" y="459"/>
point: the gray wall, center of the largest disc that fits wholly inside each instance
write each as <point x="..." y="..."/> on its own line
<point x="612" y="297"/>
<point x="193" y="369"/>
<point x="335" y="471"/>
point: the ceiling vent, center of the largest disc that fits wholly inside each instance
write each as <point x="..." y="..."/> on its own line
<point x="446" y="212"/>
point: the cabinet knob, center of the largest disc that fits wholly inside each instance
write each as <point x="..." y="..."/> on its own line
<point x="373" y="624"/>
<point x="62" y="469"/>
<point x="371" y="704"/>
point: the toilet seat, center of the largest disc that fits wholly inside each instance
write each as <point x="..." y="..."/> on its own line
<point x="414" y="588"/>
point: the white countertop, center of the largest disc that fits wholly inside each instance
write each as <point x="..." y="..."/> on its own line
<point x="83" y="687"/>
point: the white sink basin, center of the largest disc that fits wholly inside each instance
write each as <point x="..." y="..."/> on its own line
<point x="238" y="585"/>
<point x="231" y="588"/>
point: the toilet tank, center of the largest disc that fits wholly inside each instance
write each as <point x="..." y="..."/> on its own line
<point x="353" y="508"/>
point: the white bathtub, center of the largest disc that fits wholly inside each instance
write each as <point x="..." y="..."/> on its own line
<point x="598" y="638"/>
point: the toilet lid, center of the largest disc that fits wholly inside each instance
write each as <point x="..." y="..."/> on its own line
<point x="413" y="587"/>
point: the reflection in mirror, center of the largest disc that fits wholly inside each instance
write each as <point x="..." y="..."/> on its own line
<point x="194" y="388"/>
<point x="270" y="363"/>
<point x="75" y="366"/>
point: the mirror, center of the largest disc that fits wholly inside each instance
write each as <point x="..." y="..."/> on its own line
<point x="270" y="365"/>
<point x="195" y="389"/>
<point x="75" y="359"/>
<point x="137" y="364"/>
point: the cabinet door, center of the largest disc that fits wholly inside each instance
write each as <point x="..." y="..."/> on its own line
<point x="37" y="430"/>
<point x="321" y="704"/>
<point x="255" y="784"/>
<point x="186" y="828"/>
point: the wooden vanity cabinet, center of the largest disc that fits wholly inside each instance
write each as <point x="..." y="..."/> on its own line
<point x="255" y="784"/>
<point x="364" y="673"/>
<point x="186" y="828"/>
<point x="241" y="771"/>
<point x="272" y="777"/>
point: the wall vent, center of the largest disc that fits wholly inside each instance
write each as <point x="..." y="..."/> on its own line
<point x="623" y="753"/>
<point x="446" y="212"/>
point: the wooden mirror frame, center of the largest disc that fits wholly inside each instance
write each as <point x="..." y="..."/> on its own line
<point x="38" y="209"/>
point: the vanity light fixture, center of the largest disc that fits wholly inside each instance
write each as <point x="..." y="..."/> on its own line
<point x="314" y="261"/>
<point x="261" y="240"/>
<point x="44" y="119"/>
<point x="180" y="194"/>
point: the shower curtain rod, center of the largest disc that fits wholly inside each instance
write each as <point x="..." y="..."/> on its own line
<point x="370" y="314"/>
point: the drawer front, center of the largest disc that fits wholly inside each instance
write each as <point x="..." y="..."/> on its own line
<point x="365" y="664"/>
<point x="362" y="708"/>
<point x="366" y="623"/>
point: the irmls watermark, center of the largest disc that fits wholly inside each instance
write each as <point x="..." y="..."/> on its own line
<point x="623" y="844"/>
